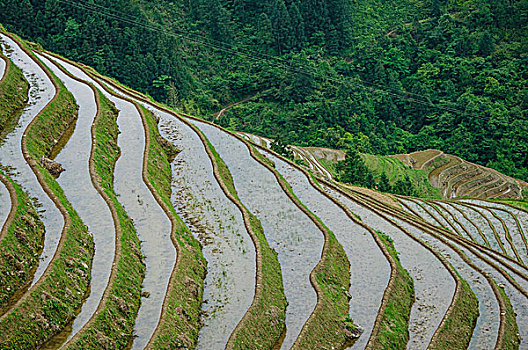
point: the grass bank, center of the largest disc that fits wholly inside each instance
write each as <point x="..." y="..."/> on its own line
<point x="393" y="332"/>
<point x="395" y="169"/>
<point x="13" y="97"/>
<point x="511" y="339"/>
<point x="56" y="298"/>
<point x="112" y="325"/>
<point x="21" y="243"/>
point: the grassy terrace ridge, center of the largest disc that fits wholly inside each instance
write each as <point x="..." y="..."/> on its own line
<point x="264" y="323"/>
<point x="56" y="298"/>
<point x="395" y="169"/>
<point x="181" y="316"/>
<point x="511" y="330"/>
<point x="21" y="242"/>
<point x="113" y="323"/>
<point x="393" y="332"/>
<point x="14" y="90"/>
<point x="456" y="331"/>
<point x="329" y="322"/>
<point x="461" y="316"/>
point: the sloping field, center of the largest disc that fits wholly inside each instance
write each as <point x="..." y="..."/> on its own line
<point x="433" y="173"/>
<point x="128" y="225"/>
<point x="458" y="178"/>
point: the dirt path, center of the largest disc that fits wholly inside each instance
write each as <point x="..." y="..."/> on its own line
<point x="225" y="109"/>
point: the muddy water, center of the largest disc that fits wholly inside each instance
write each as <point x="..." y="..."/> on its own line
<point x="487" y="327"/>
<point x="434" y="285"/>
<point x="370" y="270"/>
<point x="472" y="215"/>
<point x="471" y="228"/>
<point x="519" y="301"/>
<point x="218" y="224"/>
<point x="77" y="185"/>
<point x="516" y="234"/>
<point x="153" y="226"/>
<point x="5" y="204"/>
<point x="500" y="231"/>
<point x="2" y="68"/>
<point x="40" y="93"/>
<point x="290" y="232"/>
<point x="438" y="218"/>
<point x="451" y="216"/>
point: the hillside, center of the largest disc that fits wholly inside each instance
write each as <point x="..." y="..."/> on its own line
<point x="383" y="77"/>
<point x="127" y="224"/>
<point x="432" y="173"/>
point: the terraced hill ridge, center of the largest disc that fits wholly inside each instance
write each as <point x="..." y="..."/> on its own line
<point x="125" y="224"/>
<point x="429" y="170"/>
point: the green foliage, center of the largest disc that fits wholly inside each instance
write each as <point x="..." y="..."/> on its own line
<point x="486" y="45"/>
<point x="465" y="55"/>
<point x="13" y="97"/>
<point x="394" y="323"/>
<point x="281" y="148"/>
<point x="21" y="246"/>
<point x="353" y="170"/>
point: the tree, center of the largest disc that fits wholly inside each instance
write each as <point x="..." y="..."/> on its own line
<point x="486" y="45"/>
<point x="435" y="9"/>
<point x="297" y="24"/>
<point x="384" y="184"/>
<point x="281" y="148"/>
<point x="353" y="170"/>
<point x="281" y="25"/>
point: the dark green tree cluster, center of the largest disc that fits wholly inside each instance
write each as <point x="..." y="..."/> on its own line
<point x="353" y="170"/>
<point x="369" y="74"/>
<point x="281" y="148"/>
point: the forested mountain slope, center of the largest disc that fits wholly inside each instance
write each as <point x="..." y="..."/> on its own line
<point x="363" y="73"/>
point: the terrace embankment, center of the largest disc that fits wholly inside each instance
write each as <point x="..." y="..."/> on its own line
<point x="259" y="191"/>
<point x="41" y="92"/>
<point x="14" y="90"/>
<point x="54" y="299"/>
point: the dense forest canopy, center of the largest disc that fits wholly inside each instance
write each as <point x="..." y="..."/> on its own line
<point x="378" y="76"/>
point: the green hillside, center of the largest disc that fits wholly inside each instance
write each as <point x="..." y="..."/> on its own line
<point x="370" y="74"/>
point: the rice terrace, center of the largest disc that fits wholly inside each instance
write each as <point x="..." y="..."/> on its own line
<point x="207" y="175"/>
